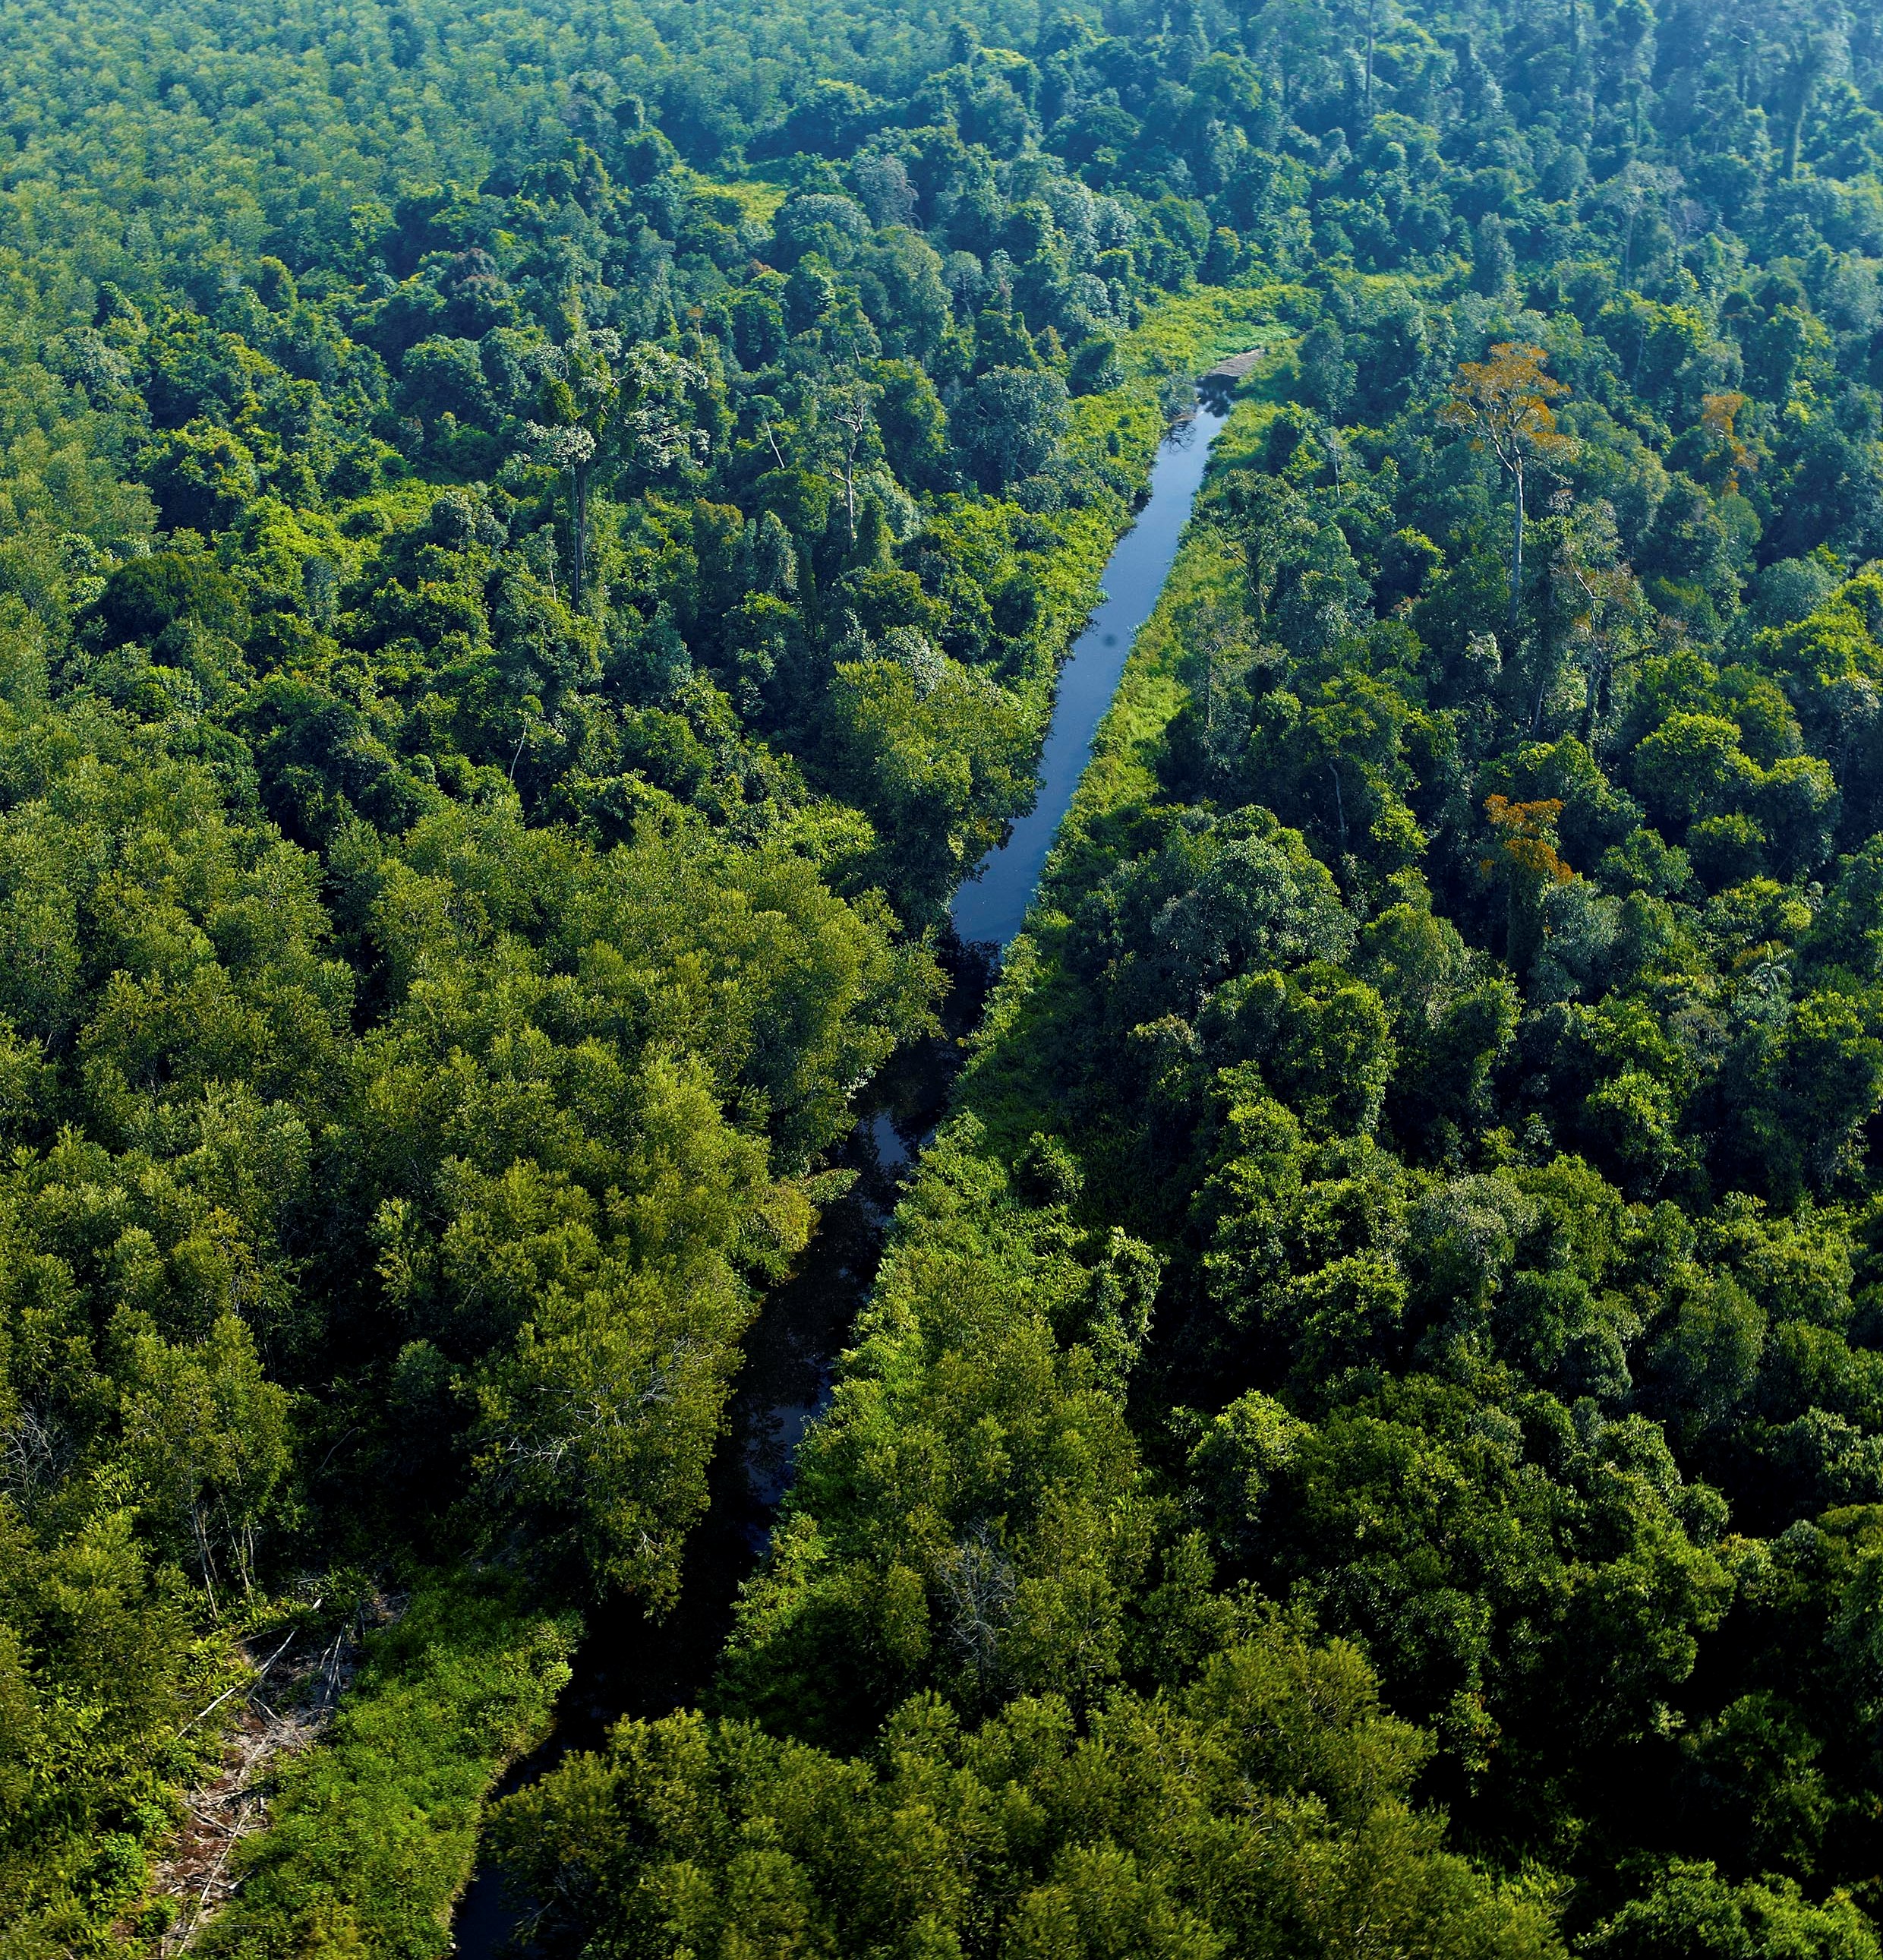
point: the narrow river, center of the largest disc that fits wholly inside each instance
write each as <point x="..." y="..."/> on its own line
<point x="626" y="1666"/>
<point x="991" y="906"/>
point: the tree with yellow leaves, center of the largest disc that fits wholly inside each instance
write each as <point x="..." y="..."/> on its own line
<point x="1525" y="862"/>
<point x="1504" y="403"/>
<point x="1718" y="415"/>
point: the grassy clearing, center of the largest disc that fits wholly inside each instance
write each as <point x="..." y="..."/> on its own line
<point x="375" y="1832"/>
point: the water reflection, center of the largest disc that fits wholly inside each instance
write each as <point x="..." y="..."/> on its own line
<point x="990" y="907"/>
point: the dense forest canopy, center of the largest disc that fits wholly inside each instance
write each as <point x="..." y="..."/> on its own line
<point x="535" y="546"/>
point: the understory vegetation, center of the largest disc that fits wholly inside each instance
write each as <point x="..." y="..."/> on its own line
<point x="534" y="551"/>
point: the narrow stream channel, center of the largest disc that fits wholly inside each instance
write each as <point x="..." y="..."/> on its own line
<point x="627" y="1666"/>
<point x="991" y="904"/>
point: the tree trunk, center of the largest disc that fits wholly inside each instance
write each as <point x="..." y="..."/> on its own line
<point x="1794" y="135"/>
<point x="204" y="1558"/>
<point x="1807" y="65"/>
<point x="1516" y="553"/>
<point x="581" y="531"/>
<point x="1591" y="703"/>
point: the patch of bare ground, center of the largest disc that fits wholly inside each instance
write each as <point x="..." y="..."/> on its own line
<point x="1237" y="365"/>
<point x="287" y="1696"/>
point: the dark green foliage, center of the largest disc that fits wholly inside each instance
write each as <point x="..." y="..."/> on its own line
<point x="1418" y="1172"/>
<point x="507" y="647"/>
<point x="533" y="550"/>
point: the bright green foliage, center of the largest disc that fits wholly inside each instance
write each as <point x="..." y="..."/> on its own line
<point x="1417" y="1168"/>
<point x="98" y="1655"/>
<point x="534" y="549"/>
<point x="1007" y="1530"/>
<point x="373" y="1832"/>
<point x="1261" y="1809"/>
<point x="507" y="645"/>
<point x="1690" y="1910"/>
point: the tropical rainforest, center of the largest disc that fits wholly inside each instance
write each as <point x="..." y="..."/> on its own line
<point x="536" y="543"/>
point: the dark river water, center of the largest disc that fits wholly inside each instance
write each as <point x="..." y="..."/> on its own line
<point x="627" y="1665"/>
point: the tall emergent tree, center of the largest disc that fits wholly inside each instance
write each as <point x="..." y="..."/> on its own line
<point x="1504" y="404"/>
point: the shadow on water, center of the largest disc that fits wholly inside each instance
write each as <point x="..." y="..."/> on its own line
<point x="627" y="1665"/>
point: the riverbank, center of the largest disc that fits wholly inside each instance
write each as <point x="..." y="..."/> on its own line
<point x="1009" y="1082"/>
<point x="628" y="1667"/>
<point x="306" y="1854"/>
<point x="989" y="906"/>
<point x="990" y="1356"/>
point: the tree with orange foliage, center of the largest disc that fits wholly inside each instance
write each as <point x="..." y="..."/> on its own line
<point x="1504" y="403"/>
<point x="1526" y="858"/>
<point x="1718" y="414"/>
